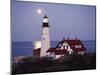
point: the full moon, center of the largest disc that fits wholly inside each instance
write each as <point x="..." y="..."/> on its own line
<point x="39" y="11"/>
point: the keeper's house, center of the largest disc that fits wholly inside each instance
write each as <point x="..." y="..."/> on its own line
<point x="68" y="47"/>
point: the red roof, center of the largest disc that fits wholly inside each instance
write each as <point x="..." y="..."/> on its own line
<point x="57" y="52"/>
<point x="72" y="44"/>
<point x="36" y="51"/>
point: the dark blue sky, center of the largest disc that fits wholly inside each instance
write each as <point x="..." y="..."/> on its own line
<point x="65" y="20"/>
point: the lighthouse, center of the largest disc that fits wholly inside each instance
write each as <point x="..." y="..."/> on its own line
<point x="45" y="43"/>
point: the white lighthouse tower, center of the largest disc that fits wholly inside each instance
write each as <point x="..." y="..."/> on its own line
<point x="45" y="43"/>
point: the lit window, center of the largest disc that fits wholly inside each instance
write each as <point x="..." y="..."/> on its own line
<point x="78" y="46"/>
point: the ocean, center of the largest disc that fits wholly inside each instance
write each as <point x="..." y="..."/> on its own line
<point x="25" y="48"/>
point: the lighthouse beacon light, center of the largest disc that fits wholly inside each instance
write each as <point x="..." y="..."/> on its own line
<point x="45" y="20"/>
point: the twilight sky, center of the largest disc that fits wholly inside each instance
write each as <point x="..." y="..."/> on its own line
<point x="65" y="20"/>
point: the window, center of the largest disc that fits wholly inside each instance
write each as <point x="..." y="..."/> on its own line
<point x="43" y="38"/>
<point x="78" y="46"/>
<point x="64" y="47"/>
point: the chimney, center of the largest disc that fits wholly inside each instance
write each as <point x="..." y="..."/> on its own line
<point x="68" y="38"/>
<point x="76" y="38"/>
<point x="63" y="38"/>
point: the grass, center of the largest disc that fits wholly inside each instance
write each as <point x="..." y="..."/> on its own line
<point x="44" y="64"/>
